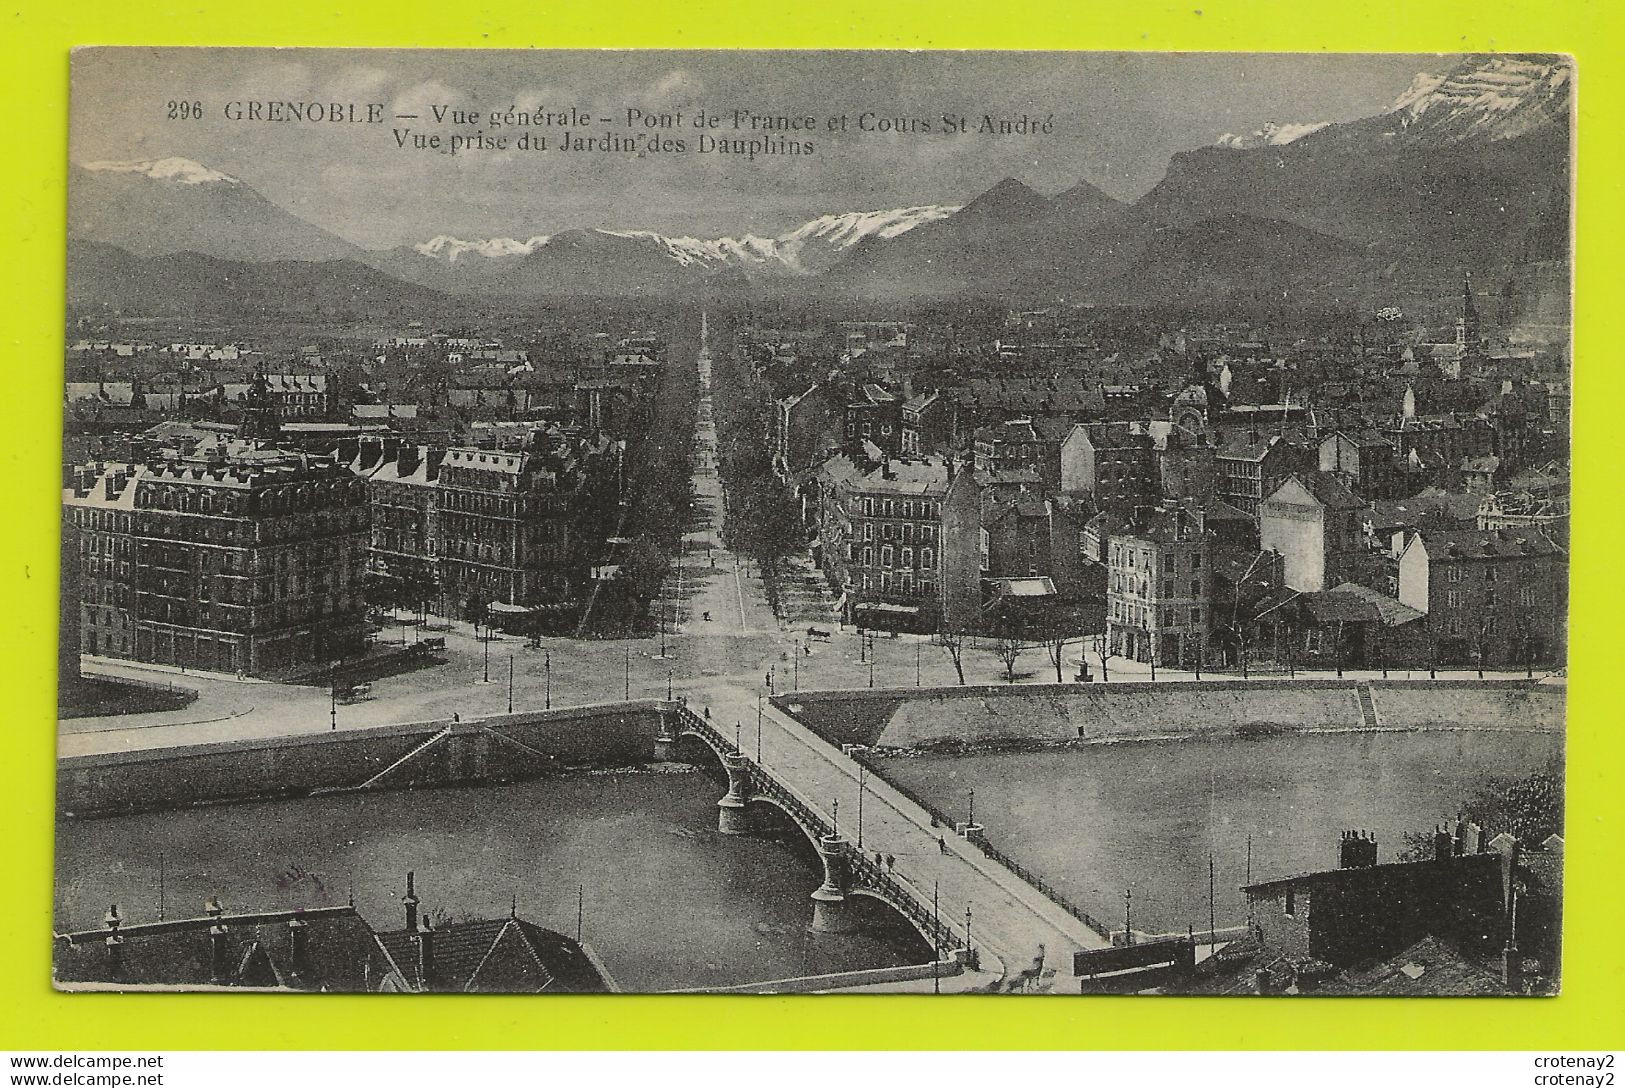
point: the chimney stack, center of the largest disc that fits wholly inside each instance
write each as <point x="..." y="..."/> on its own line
<point x="1358" y="850"/>
<point x="426" y="968"/>
<point x="410" y="902"/>
<point x="1443" y="844"/>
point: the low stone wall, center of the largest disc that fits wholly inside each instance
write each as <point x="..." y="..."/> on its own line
<point x="1469" y="704"/>
<point x="844" y="980"/>
<point x="499" y="748"/>
<point x="1052" y="713"/>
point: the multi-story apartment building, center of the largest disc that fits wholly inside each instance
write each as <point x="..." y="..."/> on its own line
<point x="403" y="495"/>
<point x="1366" y="462"/>
<point x="1316" y="524"/>
<point x="1250" y="471"/>
<point x="99" y="503"/>
<point x="880" y="539"/>
<point x="1159" y="578"/>
<point x="507" y="532"/>
<point x="1494" y="597"/>
<point x="1113" y="463"/>
<point x="506" y="526"/>
<point x="237" y="558"/>
<point x="875" y="414"/>
<point x="927" y="423"/>
<point x="802" y="424"/>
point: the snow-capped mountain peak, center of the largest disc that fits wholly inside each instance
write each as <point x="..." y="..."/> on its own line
<point x="1270" y="135"/>
<point x="174" y="168"/>
<point x="843" y="231"/>
<point x="804" y="250"/>
<point x="444" y="245"/>
<point x="1489" y="97"/>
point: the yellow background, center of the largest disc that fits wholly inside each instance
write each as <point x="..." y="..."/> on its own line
<point x="36" y="38"/>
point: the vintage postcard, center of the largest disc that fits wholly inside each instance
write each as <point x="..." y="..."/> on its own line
<point x="808" y="522"/>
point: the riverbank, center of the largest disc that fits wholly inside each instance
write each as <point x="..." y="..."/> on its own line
<point x="992" y="717"/>
<point x="501" y="748"/>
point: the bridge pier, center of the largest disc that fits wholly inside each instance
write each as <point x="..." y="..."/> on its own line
<point x="831" y="908"/>
<point x="666" y="738"/>
<point x="733" y="816"/>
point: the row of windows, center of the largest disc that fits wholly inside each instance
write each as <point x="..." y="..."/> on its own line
<point x="236" y="503"/>
<point x="917" y="509"/>
<point x="904" y="557"/>
<point x="904" y="583"/>
<point x="1148" y="618"/>
<point x="1453" y="572"/>
<point x="904" y="533"/>
<point x="1527" y="597"/>
<point x="102" y="520"/>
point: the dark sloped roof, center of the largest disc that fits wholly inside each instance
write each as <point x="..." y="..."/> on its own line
<point x="497" y="955"/>
<point x="1488" y="544"/>
<point x="340" y="954"/>
<point x="1429" y="968"/>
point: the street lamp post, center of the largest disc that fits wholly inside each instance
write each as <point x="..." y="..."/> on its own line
<point x="510" y="683"/>
<point x="916" y="664"/>
<point x="758" y="730"/>
<point x="861" y="769"/>
<point x="871" y="672"/>
<point x="547" y="688"/>
<point x="936" y="938"/>
<point x="486" y="676"/>
<point x="970" y="815"/>
<point x="333" y="706"/>
<point x="627" y="675"/>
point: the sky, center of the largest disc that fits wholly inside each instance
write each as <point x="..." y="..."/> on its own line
<point x="1116" y="118"/>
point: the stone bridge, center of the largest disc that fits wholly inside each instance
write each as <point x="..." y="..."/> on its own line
<point x="876" y="843"/>
<point x="849" y="873"/>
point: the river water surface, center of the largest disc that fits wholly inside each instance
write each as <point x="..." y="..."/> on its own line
<point x="1100" y="820"/>
<point x="668" y="903"/>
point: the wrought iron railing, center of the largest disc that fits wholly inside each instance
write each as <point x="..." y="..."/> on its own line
<point x="900" y="893"/>
<point x="1055" y="895"/>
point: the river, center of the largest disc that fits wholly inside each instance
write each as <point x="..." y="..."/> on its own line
<point x="668" y="903"/>
<point x="1100" y="820"/>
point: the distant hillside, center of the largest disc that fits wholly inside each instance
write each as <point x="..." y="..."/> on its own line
<point x="188" y="283"/>
<point x="174" y="205"/>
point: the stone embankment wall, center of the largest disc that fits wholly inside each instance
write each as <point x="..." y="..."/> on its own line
<point x="499" y="748"/>
<point x="1053" y="713"/>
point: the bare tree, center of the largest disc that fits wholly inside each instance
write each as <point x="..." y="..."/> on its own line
<point x="1008" y="651"/>
<point x="1057" y="632"/>
<point x="1103" y="650"/>
<point x="1055" y="642"/>
<point x="953" y="640"/>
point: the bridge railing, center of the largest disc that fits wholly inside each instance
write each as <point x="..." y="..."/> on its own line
<point x="1055" y="895"/>
<point x="902" y="894"/>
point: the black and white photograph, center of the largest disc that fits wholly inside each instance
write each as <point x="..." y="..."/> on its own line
<point x="803" y="522"/>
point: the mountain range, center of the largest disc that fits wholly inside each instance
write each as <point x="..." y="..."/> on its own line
<point x="1468" y="169"/>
